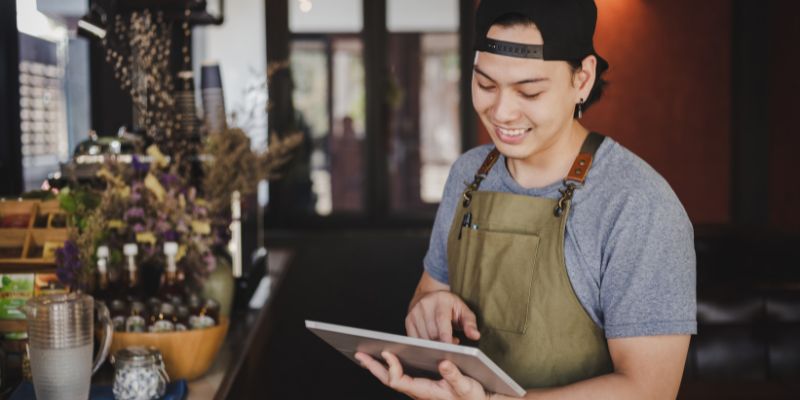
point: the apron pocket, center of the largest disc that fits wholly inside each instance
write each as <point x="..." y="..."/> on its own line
<point x="498" y="272"/>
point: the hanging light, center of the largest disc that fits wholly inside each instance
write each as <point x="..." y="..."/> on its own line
<point x="93" y="24"/>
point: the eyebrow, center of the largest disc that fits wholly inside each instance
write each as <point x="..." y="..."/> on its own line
<point x="531" y="80"/>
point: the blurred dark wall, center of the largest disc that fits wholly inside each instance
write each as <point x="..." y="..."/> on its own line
<point x="784" y="92"/>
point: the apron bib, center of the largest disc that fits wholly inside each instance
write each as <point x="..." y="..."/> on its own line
<point x="506" y="261"/>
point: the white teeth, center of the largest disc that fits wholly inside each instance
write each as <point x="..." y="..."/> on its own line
<point x="512" y="132"/>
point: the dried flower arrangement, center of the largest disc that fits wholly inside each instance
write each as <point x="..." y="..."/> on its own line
<point x="234" y="166"/>
<point x="160" y="199"/>
<point x="151" y="203"/>
<point x="142" y="203"/>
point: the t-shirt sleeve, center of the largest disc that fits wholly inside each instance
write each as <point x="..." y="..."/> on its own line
<point x="649" y="282"/>
<point x="435" y="261"/>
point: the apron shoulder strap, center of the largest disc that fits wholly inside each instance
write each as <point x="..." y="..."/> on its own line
<point x="488" y="163"/>
<point x="580" y="167"/>
<point x="483" y="171"/>
<point x="577" y="173"/>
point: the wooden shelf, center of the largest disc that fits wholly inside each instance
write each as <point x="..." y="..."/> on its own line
<point x="24" y="266"/>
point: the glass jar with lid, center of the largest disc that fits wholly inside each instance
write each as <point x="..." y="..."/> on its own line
<point x="139" y="373"/>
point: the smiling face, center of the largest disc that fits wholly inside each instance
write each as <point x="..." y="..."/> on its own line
<point x="527" y="105"/>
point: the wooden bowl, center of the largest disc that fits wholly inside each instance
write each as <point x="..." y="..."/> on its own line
<point x="187" y="355"/>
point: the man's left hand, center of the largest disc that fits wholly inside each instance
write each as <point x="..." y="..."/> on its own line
<point x="453" y="386"/>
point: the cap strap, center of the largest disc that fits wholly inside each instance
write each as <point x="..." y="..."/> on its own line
<point x="511" y="49"/>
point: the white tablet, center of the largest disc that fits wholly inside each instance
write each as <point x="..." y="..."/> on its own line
<point x="418" y="356"/>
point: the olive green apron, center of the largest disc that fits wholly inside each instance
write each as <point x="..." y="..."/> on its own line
<point x="506" y="261"/>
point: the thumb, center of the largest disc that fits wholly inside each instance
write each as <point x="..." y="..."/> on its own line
<point x="461" y="385"/>
<point x="468" y="322"/>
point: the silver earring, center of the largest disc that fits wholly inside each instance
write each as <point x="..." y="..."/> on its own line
<point x="580" y="109"/>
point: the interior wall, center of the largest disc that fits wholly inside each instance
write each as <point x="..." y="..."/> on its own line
<point x="668" y="99"/>
<point x="784" y="88"/>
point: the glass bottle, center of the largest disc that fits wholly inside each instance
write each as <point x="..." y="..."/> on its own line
<point x="102" y="291"/>
<point x="131" y="289"/>
<point x="170" y="287"/>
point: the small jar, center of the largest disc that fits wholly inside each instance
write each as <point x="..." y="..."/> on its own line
<point x="164" y="321"/>
<point x="139" y="374"/>
<point x="153" y="304"/>
<point x="137" y="318"/>
<point x="206" y="317"/>
<point x="195" y="303"/>
<point x="182" y="318"/>
<point x="119" y="313"/>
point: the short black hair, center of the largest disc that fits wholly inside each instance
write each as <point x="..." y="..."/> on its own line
<point x="516" y="19"/>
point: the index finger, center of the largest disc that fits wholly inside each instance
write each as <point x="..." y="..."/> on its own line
<point x="444" y="324"/>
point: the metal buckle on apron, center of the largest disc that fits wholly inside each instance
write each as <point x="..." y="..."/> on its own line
<point x="476" y="183"/>
<point x="566" y="195"/>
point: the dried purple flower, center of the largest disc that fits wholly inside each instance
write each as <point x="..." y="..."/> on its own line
<point x="171" y="236"/>
<point x="169" y="180"/>
<point x="139" y="166"/>
<point x="134" y="212"/>
<point x="68" y="263"/>
<point x="162" y="226"/>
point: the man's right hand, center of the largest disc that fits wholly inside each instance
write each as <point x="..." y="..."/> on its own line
<point x="434" y="315"/>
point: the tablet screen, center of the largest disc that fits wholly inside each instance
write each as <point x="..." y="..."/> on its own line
<point x="419" y="357"/>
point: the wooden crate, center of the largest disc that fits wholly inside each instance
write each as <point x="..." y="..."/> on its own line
<point x="30" y="231"/>
<point x="16" y="214"/>
<point x="30" y="248"/>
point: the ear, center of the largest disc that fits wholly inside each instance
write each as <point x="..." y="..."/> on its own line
<point x="584" y="78"/>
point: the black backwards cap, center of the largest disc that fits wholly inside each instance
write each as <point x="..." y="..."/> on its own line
<point x="567" y="28"/>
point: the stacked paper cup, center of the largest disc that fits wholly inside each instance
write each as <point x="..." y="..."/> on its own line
<point x="213" y="98"/>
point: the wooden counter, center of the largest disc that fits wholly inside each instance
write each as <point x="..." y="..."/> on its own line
<point x="246" y="331"/>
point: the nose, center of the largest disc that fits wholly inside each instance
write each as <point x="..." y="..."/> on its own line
<point x="505" y="108"/>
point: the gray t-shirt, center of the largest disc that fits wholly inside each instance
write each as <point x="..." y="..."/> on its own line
<point x="629" y="245"/>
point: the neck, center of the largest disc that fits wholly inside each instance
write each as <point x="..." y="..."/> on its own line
<point x="550" y="164"/>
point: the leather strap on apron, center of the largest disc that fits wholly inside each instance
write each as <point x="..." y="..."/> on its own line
<point x="506" y="261"/>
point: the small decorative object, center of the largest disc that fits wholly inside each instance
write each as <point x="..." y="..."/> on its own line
<point x="139" y="373"/>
